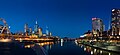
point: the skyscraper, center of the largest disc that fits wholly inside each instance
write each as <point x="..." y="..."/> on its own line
<point x="36" y="27"/>
<point x="30" y="31"/>
<point x="47" y="31"/>
<point x="26" y="29"/>
<point x="97" y="27"/>
<point x="115" y="23"/>
<point x="40" y="32"/>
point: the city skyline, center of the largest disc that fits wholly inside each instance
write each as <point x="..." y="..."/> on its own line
<point x="64" y="18"/>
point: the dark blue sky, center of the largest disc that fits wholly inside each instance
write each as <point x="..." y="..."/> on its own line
<point x="69" y="18"/>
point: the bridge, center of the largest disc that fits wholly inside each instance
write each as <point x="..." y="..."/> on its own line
<point x="4" y="29"/>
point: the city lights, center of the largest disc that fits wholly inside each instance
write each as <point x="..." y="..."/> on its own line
<point x="5" y="40"/>
<point x="59" y="27"/>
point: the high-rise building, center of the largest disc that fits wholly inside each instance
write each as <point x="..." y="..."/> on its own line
<point x="97" y="26"/>
<point x="30" y="31"/>
<point x="36" y="27"/>
<point x="26" y="29"/>
<point x="115" y="23"/>
<point x="40" y="32"/>
<point x="47" y="31"/>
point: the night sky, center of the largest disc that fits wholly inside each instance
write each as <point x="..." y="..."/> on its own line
<point x="64" y="18"/>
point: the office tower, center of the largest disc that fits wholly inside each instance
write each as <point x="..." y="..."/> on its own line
<point x="30" y="31"/>
<point x="36" y="27"/>
<point x="26" y="29"/>
<point x="40" y="32"/>
<point x="97" y="26"/>
<point x="115" y="23"/>
<point x="47" y="31"/>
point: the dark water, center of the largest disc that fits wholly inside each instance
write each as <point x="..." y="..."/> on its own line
<point x="72" y="48"/>
<point x="58" y="48"/>
<point x="14" y="49"/>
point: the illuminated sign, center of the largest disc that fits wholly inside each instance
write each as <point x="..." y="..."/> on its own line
<point x="94" y="18"/>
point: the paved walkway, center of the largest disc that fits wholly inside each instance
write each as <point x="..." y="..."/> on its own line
<point x="109" y="48"/>
<point x="39" y="50"/>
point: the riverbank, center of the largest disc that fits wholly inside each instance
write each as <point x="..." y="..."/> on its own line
<point x="102" y="46"/>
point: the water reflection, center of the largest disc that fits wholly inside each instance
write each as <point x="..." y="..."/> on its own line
<point x="93" y="51"/>
<point x="59" y="48"/>
<point x="61" y="44"/>
<point x="38" y="47"/>
<point x="45" y="43"/>
<point x="29" y="45"/>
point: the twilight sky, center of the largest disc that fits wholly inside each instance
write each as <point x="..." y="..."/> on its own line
<point x="65" y="18"/>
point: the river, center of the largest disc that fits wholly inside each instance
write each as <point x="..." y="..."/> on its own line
<point x="51" y="48"/>
<point x="72" y="48"/>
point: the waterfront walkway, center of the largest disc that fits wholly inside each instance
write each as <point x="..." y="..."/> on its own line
<point x="109" y="48"/>
<point x="39" y="50"/>
<point x="102" y="46"/>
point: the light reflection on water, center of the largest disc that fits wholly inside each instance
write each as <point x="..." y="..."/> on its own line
<point x="29" y="45"/>
<point x="45" y="43"/>
<point x="94" y="51"/>
<point x="55" y="46"/>
<point x="40" y="44"/>
<point x="38" y="47"/>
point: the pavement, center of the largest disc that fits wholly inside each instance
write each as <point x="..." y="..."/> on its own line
<point x="112" y="48"/>
<point x="106" y="47"/>
<point x="39" y="50"/>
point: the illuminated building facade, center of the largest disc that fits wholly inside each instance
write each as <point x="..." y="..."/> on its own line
<point x="26" y="29"/>
<point x="47" y="31"/>
<point x="115" y="23"/>
<point x="40" y="32"/>
<point x="30" y="31"/>
<point x="36" y="27"/>
<point x="97" y="27"/>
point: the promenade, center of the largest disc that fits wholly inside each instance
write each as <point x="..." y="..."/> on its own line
<point x="103" y="46"/>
